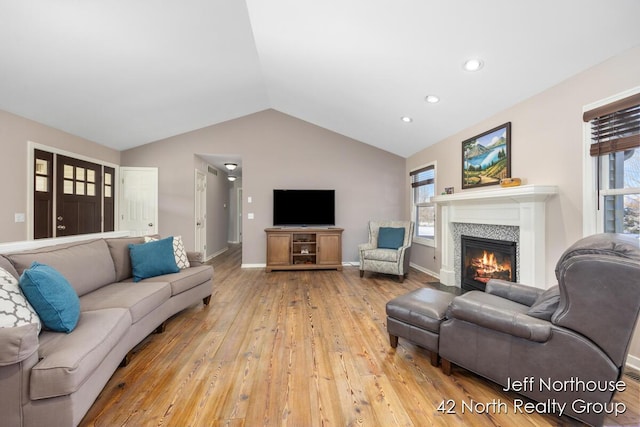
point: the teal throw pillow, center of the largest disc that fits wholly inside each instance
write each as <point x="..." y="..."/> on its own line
<point x="390" y="237"/>
<point x="51" y="296"/>
<point x="152" y="259"/>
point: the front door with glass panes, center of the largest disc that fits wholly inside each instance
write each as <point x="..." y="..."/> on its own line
<point x="79" y="198"/>
<point x="43" y="195"/>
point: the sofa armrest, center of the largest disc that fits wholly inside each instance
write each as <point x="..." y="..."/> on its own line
<point x="499" y="319"/>
<point x="17" y="344"/>
<point x="195" y="258"/>
<point x="364" y="247"/>
<point x="516" y="292"/>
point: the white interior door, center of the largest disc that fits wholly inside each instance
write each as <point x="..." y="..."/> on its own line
<point x="239" y="219"/>
<point x="201" y="212"/>
<point x="139" y="200"/>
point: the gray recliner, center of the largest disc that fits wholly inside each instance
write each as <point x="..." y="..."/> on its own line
<point x="577" y="331"/>
<point x="385" y="260"/>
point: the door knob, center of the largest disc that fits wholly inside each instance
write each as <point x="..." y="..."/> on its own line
<point x="61" y="227"/>
<point x="150" y="224"/>
<point x="60" y="218"/>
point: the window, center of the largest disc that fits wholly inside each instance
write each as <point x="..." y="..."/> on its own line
<point x="43" y="195"/>
<point x="423" y="183"/>
<point x="615" y="147"/>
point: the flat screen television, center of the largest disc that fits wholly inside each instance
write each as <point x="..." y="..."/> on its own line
<point x="304" y="208"/>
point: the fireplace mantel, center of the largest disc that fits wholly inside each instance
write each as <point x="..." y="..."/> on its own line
<point x="521" y="193"/>
<point x="522" y="206"/>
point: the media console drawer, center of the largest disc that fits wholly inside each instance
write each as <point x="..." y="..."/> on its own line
<point x="304" y="248"/>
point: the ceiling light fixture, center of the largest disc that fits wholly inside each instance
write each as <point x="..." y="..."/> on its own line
<point x="406" y="119"/>
<point x="230" y="166"/>
<point x="231" y="178"/>
<point x="473" y="64"/>
<point x="432" y="99"/>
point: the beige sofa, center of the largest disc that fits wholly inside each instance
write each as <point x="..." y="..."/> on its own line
<point x="53" y="378"/>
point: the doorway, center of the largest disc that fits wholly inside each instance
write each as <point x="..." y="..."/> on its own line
<point x="69" y="195"/>
<point x="201" y="212"/>
<point x="139" y="200"/>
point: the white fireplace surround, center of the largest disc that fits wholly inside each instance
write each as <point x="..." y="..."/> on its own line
<point x="522" y="206"/>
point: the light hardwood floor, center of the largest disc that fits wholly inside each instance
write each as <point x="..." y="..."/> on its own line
<point x="300" y="349"/>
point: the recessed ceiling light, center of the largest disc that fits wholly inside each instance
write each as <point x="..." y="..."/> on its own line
<point x="473" y="64"/>
<point x="431" y="99"/>
<point x="406" y="119"/>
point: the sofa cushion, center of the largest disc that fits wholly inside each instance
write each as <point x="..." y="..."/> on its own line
<point x="15" y="310"/>
<point x="86" y="265"/>
<point x="119" y="250"/>
<point x="53" y="298"/>
<point x="546" y="304"/>
<point x="139" y="298"/>
<point x="185" y="279"/>
<point x="152" y="259"/>
<point x="67" y="360"/>
<point x="390" y="237"/>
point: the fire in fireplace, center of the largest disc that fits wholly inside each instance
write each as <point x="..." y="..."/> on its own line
<point x="484" y="259"/>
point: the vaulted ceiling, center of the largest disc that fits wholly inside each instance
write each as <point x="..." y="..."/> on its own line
<point x="127" y="72"/>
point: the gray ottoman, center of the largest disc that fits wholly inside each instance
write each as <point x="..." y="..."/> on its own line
<point x="416" y="316"/>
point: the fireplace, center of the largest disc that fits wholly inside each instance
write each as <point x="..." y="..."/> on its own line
<point x="522" y="207"/>
<point x="484" y="259"/>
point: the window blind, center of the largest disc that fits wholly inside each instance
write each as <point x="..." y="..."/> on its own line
<point x="615" y="127"/>
<point x="423" y="176"/>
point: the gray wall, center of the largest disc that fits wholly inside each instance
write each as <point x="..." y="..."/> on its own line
<point x="547" y="148"/>
<point x="278" y="151"/>
<point x="15" y="134"/>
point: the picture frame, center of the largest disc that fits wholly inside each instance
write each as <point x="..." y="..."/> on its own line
<point x="486" y="158"/>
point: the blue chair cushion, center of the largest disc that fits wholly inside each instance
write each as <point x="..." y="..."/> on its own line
<point x="152" y="259"/>
<point x="390" y="237"/>
<point x="51" y="296"/>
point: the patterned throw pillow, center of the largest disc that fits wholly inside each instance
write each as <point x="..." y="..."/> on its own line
<point x="15" y="310"/>
<point x="178" y="251"/>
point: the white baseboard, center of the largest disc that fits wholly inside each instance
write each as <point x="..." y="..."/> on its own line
<point x="633" y="362"/>
<point x="253" y="265"/>
<point x="346" y="264"/>
<point x="425" y="270"/>
<point x="351" y="263"/>
<point x="215" y="254"/>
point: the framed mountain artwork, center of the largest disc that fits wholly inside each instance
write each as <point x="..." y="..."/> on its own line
<point x="486" y="158"/>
